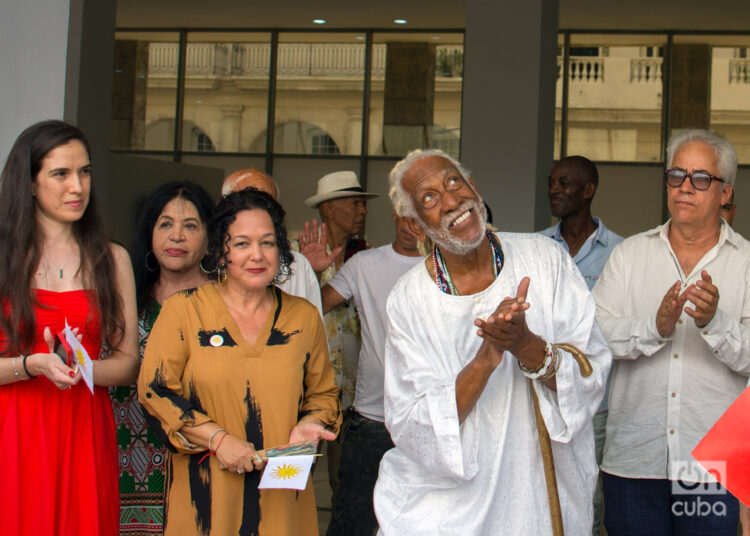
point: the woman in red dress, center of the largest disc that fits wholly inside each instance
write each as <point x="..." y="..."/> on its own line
<point x="57" y="441"/>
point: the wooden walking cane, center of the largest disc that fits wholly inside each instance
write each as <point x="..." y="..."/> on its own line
<point x="546" y="444"/>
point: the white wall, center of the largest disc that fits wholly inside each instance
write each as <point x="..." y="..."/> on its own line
<point x="33" y="41"/>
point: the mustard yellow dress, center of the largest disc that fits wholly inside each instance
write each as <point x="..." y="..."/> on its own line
<point x="197" y="368"/>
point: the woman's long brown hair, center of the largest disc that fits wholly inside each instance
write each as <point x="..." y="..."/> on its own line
<point x="21" y="242"/>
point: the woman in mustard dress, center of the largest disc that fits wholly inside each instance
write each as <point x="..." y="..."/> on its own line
<point x="234" y="367"/>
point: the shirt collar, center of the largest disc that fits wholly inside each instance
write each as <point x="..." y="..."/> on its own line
<point x="725" y="234"/>
<point x="601" y="234"/>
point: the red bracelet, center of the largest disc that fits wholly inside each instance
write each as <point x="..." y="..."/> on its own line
<point x="209" y="453"/>
<point x="220" y="440"/>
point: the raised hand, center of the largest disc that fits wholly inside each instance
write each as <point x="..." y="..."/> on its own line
<point x="312" y="244"/>
<point x="507" y="324"/>
<point x="671" y="309"/>
<point x="705" y="299"/>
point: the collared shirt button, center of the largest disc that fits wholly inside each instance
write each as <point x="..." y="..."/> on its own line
<point x="477" y="300"/>
<point x="676" y="356"/>
<point x="671" y="432"/>
<point x="661" y="341"/>
<point x="674" y="395"/>
<point x="705" y="332"/>
<point x="679" y="320"/>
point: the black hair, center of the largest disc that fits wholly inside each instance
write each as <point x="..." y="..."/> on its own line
<point x="147" y="276"/>
<point x="21" y="241"/>
<point x="225" y="214"/>
<point x="586" y="166"/>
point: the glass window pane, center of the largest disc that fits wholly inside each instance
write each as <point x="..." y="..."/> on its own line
<point x="226" y="92"/>
<point x="730" y="93"/>
<point x="319" y="92"/>
<point x="415" y="98"/>
<point x="615" y="97"/>
<point x="144" y="90"/>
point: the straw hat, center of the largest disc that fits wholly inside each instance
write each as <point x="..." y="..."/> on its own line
<point x="336" y="185"/>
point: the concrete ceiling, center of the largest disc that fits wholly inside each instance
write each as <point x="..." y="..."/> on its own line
<point x="717" y="15"/>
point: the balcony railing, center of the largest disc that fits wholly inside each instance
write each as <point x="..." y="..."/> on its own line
<point x="251" y="60"/>
<point x="586" y="69"/>
<point x="599" y="82"/>
<point x="646" y="70"/>
<point x="739" y="71"/>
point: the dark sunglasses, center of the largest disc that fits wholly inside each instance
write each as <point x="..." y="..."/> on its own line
<point x="700" y="180"/>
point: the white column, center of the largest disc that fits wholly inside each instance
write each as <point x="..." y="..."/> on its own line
<point x="230" y="135"/>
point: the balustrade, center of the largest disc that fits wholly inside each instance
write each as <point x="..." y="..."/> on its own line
<point x="586" y="69"/>
<point x="646" y="70"/>
<point x="739" y="71"/>
<point x="251" y="60"/>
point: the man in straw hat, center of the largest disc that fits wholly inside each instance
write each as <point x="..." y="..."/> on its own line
<point x="342" y="204"/>
<point x="489" y="398"/>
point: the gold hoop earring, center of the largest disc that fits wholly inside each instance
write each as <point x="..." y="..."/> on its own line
<point x="203" y="269"/>
<point x="222" y="274"/>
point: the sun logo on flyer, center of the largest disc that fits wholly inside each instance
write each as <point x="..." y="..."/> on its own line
<point x="286" y="471"/>
<point x="79" y="356"/>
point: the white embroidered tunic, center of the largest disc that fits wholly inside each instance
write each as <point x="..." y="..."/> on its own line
<point x="486" y="475"/>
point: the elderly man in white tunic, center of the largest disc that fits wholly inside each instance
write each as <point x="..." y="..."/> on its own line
<point x="488" y="331"/>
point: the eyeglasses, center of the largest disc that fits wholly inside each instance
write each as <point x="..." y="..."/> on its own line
<point x="727" y="206"/>
<point x="700" y="180"/>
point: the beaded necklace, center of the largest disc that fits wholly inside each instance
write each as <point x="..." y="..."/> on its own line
<point x="442" y="275"/>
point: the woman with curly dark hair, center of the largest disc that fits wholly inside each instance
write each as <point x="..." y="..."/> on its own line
<point x="235" y="367"/>
<point x="57" y="439"/>
<point x="169" y="244"/>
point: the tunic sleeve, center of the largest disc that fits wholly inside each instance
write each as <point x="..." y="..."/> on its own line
<point x="573" y="313"/>
<point x="321" y="399"/>
<point x="420" y="403"/>
<point x="160" y="388"/>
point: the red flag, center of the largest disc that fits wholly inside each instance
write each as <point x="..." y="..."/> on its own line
<point x="729" y="440"/>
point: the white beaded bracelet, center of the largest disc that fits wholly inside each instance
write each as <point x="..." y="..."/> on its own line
<point x="555" y="365"/>
<point x="546" y="366"/>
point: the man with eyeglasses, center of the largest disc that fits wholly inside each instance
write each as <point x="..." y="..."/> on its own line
<point x="673" y="303"/>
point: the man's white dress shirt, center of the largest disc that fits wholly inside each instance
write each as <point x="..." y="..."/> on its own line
<point x="667" y="392"/>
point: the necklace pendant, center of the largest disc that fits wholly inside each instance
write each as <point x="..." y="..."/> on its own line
<point x="61" y="272"/>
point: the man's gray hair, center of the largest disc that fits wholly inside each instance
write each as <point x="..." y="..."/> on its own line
<point x="402" y="203"/>
<point x="724" y="150"/>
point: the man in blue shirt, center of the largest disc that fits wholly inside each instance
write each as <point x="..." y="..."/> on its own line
<point x="571" y="187"/>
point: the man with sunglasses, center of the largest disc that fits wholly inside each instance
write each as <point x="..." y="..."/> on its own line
<point x="673" y="304"/>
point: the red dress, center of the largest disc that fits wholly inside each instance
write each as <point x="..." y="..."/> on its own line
<point x="58" y="453"/>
